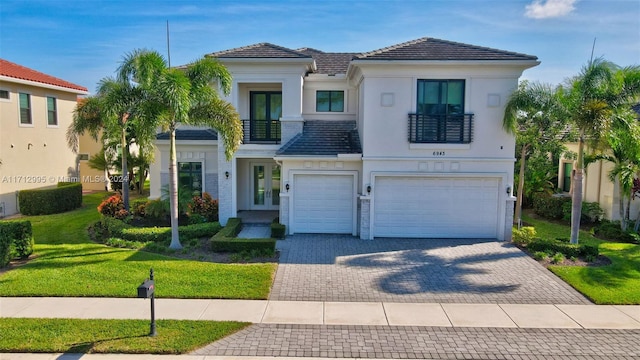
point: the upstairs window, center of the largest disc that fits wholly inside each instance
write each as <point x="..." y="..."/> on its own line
<point x="4" y="94"/>
<point x="329" y="101"/>
<point x="25" y="109"/>
<point x="440" y="97"/>
<point x="52" y="112"/>
<point x="440" y="116"/>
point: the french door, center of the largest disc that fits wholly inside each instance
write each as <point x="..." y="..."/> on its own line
<point x="265" y="186"/>
<point x="266" y="111"/>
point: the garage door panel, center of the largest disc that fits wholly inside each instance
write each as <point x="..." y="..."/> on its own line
<point x="435" y="207"/>
<point x="323" y="203"/>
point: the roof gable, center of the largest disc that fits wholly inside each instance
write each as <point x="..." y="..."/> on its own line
<point x="435" y="49"/>
<point x="260" y="51"/>
<point x="13" y="70"/>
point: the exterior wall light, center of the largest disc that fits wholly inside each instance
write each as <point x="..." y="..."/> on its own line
<point x="509" y="190"/>
<point x="287" y="187"/>
<point x="226" y="174"/>
<point x="368" y="189"/>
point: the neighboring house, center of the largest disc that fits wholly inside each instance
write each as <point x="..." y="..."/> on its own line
<point x="92" y="179"/>
<point x="35" y="112"/>
<point x="597" y="186"/>
<point x="404" y="141"/>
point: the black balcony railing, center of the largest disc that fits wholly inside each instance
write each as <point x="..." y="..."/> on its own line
<point x="261" y="131"/>
<point x="441" y="129"/>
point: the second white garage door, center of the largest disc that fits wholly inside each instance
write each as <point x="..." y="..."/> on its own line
<point x="323" y="204"/>
<point x="432" y="207"/>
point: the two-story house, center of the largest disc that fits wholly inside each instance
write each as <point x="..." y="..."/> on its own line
<point x="404" y="141"/>
<point x="35" y="111"/>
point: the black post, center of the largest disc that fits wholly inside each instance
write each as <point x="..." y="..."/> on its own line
<point x="153" y="310"/>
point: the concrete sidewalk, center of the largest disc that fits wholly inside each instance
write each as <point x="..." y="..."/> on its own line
<point x="333" y="313"/>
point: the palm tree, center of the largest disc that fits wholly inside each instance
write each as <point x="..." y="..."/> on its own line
<point x="533" y="114"/>
<point x="185" y="95"/>
<point x="592" y="100"/>
<point x="111" y="112"/>
<point x="624" y="152"/>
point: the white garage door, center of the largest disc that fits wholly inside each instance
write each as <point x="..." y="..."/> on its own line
<point x="433" y="207"/>
<point x="323" y="204"/>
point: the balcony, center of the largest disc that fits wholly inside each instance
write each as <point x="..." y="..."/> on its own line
<point x="441" y="129"/>
<point x="261" y="131"/>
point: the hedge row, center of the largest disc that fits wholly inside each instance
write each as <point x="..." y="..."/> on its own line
<point x="567" y="249"/>
<point x="64" y="197"/>
<point x="559" y="208"/>
<point x="16" y="241"/>
<point x="109" y="227"/>
<point x="226" y="241"/>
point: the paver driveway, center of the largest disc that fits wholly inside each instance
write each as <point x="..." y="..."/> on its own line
<point x="344" y="268"/>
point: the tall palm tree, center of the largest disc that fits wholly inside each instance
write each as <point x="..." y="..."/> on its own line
<point x="592" y="100"/>
<point x="533" y="114"/>
<point x="185" y="95"/>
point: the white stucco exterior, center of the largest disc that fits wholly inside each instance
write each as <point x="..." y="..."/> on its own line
<point x="378" y="98"/>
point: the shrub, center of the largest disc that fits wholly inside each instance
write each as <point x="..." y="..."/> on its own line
<point x="610" y="230"/>
<point x="147" y="234"/>
<point x="524" y="235"/>
<point x="225" y="240"/>
<point x="64" y="197"/>
<point x="138" y="207"/>
<point x="195" y="231"/>
<point x="157" y="209"/>
<point x="568" y="250"/>
<point x="205" y="206"/>
<point x="16" y="240"/>
<point x="197" y="219"/>
<point x="107" y="227"/>
<point x="550" y="207"/>
<point x="540" y="255"/>
<point x="5" y="248"/>
<point x="591" y="212"/>
<point x="557" y="258"/>
<point x="239" y="245"/>
<point x="113" y="207"/>
<point x="278" y="230"/>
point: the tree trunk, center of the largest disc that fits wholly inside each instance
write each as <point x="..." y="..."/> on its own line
<point x="125" y="173"/>
<point x="173" y="189"/>
<point x="576" y="199"/>
<point x="623" y="219"/>
<point x="518" y="217"/>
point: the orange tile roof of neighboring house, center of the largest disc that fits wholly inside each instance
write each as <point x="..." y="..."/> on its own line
<point x="13" y="70"/>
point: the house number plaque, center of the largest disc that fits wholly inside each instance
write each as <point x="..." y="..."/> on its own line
<point x="438" y="153"/>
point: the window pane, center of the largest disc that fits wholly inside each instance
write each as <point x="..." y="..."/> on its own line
<point x="25" y="109"/>
<point x="275" y="106"/>
<point x="337" y="101"/>
<point x="52" y="115"/>
<point x="322" y="100"/>
<point x="4" y="94"/>
<point x="259" y="107"/>
<point x="455" y="97"/>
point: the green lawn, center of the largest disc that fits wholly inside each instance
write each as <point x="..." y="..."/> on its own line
<point x="617" y="283"/>
<point x="110" y="336"/>
<point x="68" y="264"/>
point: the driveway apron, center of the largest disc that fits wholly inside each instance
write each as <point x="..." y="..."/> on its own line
<point x="343" y="268"/>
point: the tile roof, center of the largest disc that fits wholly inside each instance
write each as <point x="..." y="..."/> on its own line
<point x="206" y="134"/>
<point x="13" y="70"/>
<point x="329" y="63"/>
<point x="435" y="49"/>
<point x="261" y="50"/>
<point x="324" y="138"/>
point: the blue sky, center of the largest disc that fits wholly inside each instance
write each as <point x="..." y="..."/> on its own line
<point x="84" y="41"/>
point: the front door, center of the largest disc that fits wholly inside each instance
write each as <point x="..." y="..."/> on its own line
<point x="265" y="186"/>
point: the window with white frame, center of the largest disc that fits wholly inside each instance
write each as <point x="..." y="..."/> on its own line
<point x="25" y="109"/>
<point x="52" y="111"/>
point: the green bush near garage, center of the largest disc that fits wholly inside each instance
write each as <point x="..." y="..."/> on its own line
<point x="64" y="197"/>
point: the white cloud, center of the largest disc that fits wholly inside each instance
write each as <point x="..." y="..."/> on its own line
<point x="542" y="9"/>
